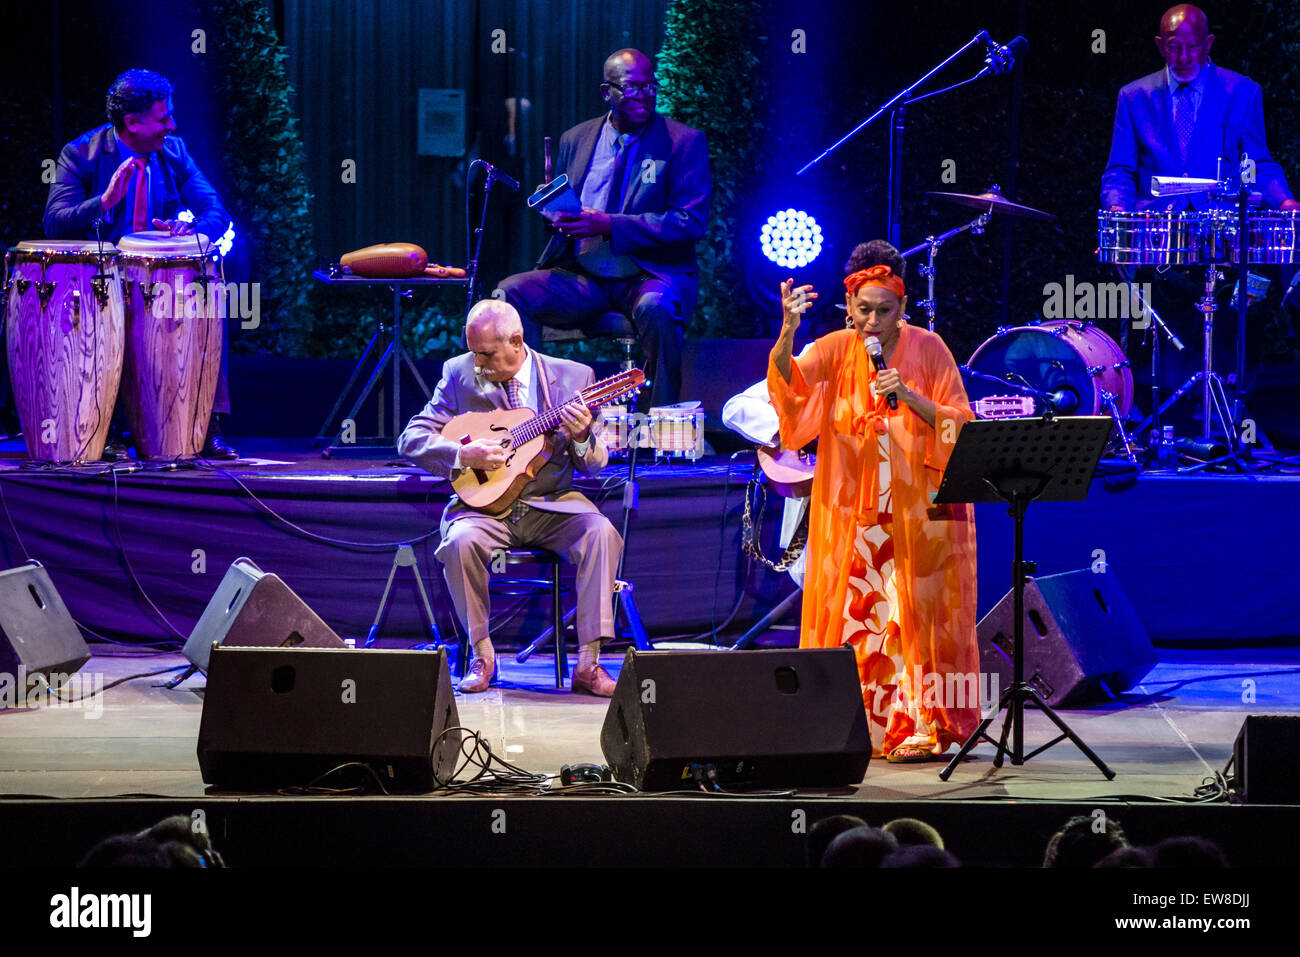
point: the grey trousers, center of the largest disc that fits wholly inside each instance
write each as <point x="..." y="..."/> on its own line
<point x="586" y="539"/>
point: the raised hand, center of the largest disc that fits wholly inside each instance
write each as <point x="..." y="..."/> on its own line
<point x="794" y="303"/>
<point x="121" y="182"/>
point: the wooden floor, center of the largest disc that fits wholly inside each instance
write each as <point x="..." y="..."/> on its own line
<point x="1174" y="731"/>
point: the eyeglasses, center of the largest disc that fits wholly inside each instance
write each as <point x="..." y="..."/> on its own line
<point x="639" y="90"/>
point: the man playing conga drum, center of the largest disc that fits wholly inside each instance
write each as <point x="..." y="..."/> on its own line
<point x="95" y="193"/>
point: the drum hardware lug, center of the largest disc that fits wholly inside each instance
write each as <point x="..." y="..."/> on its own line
<point x="22" y="284"/>
<point x="1060" y="330"/>
<point x="44" y="290"/>
<point x="76" y="308"/>
<point x="1003" y="330"/>
<point x="128" y="285"/>
<point x="1095" y="371"/>
<point x="1123" y="365"/>
<point x="148" y="290"/>
<point x="99" y="283"/>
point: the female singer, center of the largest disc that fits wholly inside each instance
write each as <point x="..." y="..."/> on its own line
<point x="889" y="573"/>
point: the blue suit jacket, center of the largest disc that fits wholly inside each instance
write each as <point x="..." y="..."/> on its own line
<point x="88" y="163"/>
<point x="1143" y="144"/>
<point x="665" y="208"/>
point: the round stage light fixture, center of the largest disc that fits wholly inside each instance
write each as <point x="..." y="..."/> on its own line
<point x="791" y="238"/>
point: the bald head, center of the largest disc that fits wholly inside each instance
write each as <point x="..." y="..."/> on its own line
<point x="1184" y="41"/>
<point x="495" y="334"/>
<point x="621" y="59"/>
<point x="630" y="89"/>
<point x="1184" y="13"/>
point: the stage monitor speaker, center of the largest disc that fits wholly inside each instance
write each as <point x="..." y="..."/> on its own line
<point x="281" y="717"/>
<point x="252" y="608"/>
<point x="771" y="718"/>
<point x="1264" y="756"/>
<point x="1080" y="633"/>
<point x="37" y="634"/>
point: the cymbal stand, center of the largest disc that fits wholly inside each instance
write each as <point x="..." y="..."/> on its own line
<point x="932" y="244"/>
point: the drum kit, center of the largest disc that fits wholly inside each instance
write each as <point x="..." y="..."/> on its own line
<point x="84" y="320"/>
<point x="1073" y="367"/>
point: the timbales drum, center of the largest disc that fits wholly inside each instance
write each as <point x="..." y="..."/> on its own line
<point x="64" y="325"/>
<point x="1153" y="238"/>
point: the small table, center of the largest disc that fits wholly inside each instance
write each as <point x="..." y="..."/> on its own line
<point x="375" y="445"/>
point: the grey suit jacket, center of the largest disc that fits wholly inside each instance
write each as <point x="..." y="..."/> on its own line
<point x="1143" y="142"/>
<point x="460" y="391"/>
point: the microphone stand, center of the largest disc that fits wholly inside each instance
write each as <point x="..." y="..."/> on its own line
<point x="492" y="176"/>
<point x="898" y="100"/>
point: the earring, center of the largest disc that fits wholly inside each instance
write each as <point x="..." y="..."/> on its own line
<point x="848" y="322"/>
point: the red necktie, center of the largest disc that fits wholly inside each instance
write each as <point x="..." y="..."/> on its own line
<point x="140" y="212"/>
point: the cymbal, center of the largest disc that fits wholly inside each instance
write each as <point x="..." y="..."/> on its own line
<point x="991" y="201"/>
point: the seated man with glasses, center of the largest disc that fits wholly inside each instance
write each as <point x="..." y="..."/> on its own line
<point x="643" y="181"/>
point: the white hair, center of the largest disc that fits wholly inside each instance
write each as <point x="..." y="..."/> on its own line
<point x="495" y="317"/>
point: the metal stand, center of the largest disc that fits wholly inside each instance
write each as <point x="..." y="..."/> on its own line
<point x="405" y="558"/>
<point x="787" y="603"/>
<point x="395" y="354"/>
<point x="1214" y="398"/>
<point x="929" y="271"/>
<point x="623" y="589"/>
<point x="985" y="467"/>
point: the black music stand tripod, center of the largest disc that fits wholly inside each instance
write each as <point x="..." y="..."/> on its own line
<point x="1019" y="461"/>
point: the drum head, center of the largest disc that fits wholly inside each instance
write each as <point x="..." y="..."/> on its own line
<point x="1037" y="357"/>
<point x="66" y="246"/>
<point x="160" y="243"/>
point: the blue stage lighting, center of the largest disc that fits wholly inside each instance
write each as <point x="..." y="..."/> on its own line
<point x="791" y="238"/>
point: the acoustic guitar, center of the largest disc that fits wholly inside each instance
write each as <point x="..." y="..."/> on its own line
<point x="526" y="437"/>
<point x="790" y="473"/>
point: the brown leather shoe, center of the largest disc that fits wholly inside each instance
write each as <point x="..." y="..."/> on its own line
<point x="478" y="676"/>
<point x="595" y="681"/>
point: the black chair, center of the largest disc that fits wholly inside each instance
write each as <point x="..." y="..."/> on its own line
<point x="519" y="587"/>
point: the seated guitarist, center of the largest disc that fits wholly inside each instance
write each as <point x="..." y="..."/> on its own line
<point x="500" y="372"/>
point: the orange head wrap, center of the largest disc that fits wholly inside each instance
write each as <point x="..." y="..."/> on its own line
<point x="880" y="275"/>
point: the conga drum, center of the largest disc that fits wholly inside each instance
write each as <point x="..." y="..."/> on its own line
<point x="175" y="307"/>
<point x="64" y="329"/>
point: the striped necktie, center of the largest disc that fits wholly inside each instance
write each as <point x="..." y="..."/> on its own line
<point x="1184" y="118"/>
<point x="512" y="393"/>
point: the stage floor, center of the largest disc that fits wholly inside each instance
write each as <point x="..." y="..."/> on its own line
<point x="69" y="778"/>
<point x="1170" y="733"/>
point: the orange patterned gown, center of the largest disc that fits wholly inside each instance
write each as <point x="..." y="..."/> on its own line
<point x="888" y="573"/>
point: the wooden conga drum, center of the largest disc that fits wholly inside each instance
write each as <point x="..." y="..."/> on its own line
<point x="64" y="329"/>
<point x="175" y="308"/>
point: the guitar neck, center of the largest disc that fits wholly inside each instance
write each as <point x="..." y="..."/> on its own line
<point x="593" y="397"/>
<point x="541" y="423"/>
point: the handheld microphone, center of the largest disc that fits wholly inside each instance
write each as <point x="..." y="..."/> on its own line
<point x="494" y="173"/>
<point x="1002" y="59"/>
<point x="878" y="360"/>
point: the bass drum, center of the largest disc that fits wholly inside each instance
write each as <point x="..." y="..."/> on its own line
<point x="1073" y="361"/>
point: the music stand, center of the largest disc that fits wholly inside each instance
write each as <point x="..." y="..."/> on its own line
<point x="1019" y="461"/>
